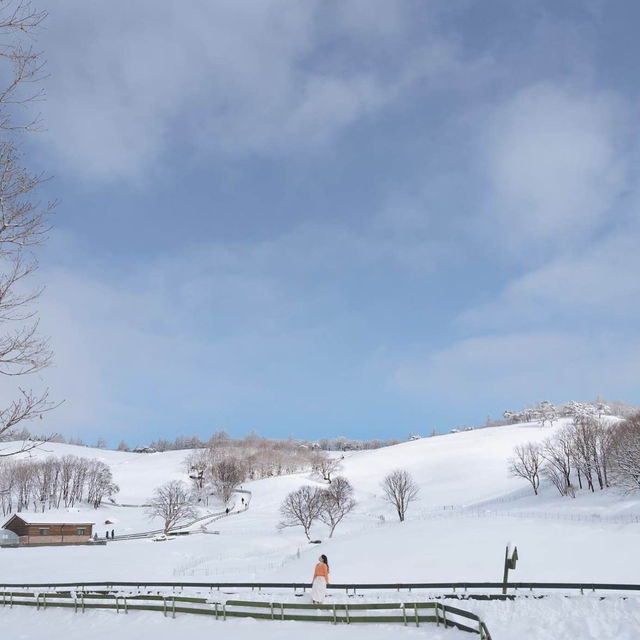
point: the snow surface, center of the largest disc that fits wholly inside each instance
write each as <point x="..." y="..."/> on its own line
<point x="469" y="509"/>
<point x="577" y="618"/>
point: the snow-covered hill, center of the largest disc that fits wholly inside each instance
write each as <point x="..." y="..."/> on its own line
<point x="469" y="508"/>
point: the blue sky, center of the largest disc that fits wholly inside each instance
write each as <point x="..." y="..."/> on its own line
<point x="320" y="218"/>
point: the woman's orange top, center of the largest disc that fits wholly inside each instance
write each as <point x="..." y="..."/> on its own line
<point x="321" y="570"/>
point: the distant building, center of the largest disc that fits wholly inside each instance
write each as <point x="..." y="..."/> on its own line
<point x="47" y="528"/>
<point x="415" y="436"/>
<point x="455" y="431"/>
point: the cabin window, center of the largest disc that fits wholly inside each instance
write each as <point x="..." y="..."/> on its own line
<point x="80" y="532"/>
<point x="44" y="531"/>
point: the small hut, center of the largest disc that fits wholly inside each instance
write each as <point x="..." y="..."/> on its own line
<point x="47" y="528"/>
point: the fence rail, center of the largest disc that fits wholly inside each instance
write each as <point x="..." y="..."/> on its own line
<point x="399" y="613"/>
<point x="347" y="587"/>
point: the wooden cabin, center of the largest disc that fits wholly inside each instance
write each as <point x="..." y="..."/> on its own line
<point x="47" y="528"/>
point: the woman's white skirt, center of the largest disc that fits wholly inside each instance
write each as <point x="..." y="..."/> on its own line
<point x="318" y="589"/>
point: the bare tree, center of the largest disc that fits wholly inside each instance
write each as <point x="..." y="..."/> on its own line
<point x="625" y="454"/>
<point x="325" y="465"/>
<point x="400" y="490"/>
<point x="337" y="503"/>
<point x="227" y="475"/>
<point x="526" y="463"/>
<point x="171" y="503"/>
<point x="302" y="508"/>
<point x="23" y="221"/>
<point x="557" y="454"/>
<point x="584" y="432"/>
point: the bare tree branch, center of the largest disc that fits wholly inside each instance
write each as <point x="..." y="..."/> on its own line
<point x="23" y="219"/>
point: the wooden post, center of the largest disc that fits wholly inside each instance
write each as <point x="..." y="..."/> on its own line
<point x="509" y="563"/>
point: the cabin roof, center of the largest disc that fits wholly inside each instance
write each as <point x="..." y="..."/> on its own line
<point x="55" y="518"/>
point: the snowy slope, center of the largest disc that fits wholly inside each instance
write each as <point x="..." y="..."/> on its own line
<point x="590" y="538"/>
<point x="457" y="470"/>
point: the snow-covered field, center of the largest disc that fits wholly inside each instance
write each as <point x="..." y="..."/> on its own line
<point x="469" y="509"/>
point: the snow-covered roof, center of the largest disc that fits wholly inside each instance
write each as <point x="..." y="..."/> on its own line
<point x="52" y="517"/>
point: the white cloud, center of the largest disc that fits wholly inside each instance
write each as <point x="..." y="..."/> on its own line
<point x="511" y="369"/>
<point x="131" y="85"/>
<point x="555" y="163"/>
<point x="596" y="281"/>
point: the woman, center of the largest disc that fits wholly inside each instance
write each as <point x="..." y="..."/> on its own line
<point x="320" y="580"/>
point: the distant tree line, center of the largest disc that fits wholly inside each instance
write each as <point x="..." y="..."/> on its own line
<point x="324" y="444"/>
<point x="37" y="485"/>
<point x="546" y="412"/>
<point x="196" y="442"/>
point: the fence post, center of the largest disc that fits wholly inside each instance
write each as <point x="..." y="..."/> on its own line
<point x="415" y="608"/>
<point x="509" y="563"/>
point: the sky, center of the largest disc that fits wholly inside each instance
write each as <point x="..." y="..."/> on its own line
<point x="354" y="217"/>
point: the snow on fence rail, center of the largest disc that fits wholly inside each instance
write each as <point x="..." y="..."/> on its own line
<point x="403" y="612"/>
<point x="112" y="586"/>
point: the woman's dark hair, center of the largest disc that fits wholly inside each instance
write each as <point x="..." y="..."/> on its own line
<point x="324" y="559"/>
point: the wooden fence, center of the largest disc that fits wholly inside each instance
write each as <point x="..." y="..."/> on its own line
<point x="340" y="613"/>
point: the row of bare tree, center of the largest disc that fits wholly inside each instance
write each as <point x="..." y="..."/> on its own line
<point x="589" y="453"/>
<point x="54" y="482"/>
